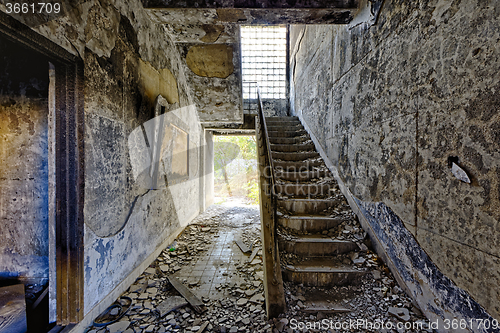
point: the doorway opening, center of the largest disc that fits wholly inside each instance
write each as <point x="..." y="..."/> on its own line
<point x="42" y="114"/>
<point x="235" y="169"/>
<point x="24" y="178"/>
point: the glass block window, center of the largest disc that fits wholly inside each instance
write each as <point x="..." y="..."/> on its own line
<point x="263" y="51"/>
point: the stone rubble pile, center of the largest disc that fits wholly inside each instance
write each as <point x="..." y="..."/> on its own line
<point x="157" y="307"/>
<point x="241" y="311"/>
<point x="376" y="299"/>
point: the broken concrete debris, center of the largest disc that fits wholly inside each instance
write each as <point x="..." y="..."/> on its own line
<point x="234" y="295"/>
<point x="459" y="173"/>
<point x="242" y="246"/>
<point x="194" y="301"/>
<point x="234" y="301"/>
<point x="401" y="313"/>
<point x="170" y="304"/>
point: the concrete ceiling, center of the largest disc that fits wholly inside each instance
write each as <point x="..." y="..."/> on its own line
<point x="251" y="3"/>
<point x="206" y="31"/>
<point x="249" y="16"/>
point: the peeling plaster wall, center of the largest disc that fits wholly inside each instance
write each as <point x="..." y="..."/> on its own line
<point x="211" y="59"/>
<point x="128" y="62"/>
<point x="389" y="104"/>
<point x="126" y="221"/>
<point x="24" y="180"/>
<point x="214" y="74"/>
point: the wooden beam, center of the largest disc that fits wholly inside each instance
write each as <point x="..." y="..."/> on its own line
<point x="250" y="16"/>
<point x="69" y="192"/>
<point x="194" y="301"/>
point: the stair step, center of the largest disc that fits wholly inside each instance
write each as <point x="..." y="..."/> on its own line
<point x="322" y="272"/>
<point x="302" y="175"/>
<point x="316" y="246"/>
<point x="307" y="206"/>
<point x="286" y="134"/>
<point x="291" y="126"/>
<point x="294" y="156"/>
<point x="297" y="166"/>
<point x="316" y="300"/>
<point x="287" y="118"/>
<point x="303" y="190"/>
<point x="289" y="141"/>
<point x="311" y="224"/>
<point x="292" y="148"/>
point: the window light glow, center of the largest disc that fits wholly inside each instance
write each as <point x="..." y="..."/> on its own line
<point x="263" y="50"/>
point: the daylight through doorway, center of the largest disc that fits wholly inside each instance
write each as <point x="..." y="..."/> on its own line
<point x="235" y="168"/>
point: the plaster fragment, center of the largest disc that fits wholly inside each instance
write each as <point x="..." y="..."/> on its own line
<point x="459" y="173"/>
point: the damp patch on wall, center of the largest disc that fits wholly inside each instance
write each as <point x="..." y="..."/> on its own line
<point x="214" y="60"/>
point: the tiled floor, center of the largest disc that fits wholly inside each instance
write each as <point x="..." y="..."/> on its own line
<point x="206" y="259"/>
<point x="217" y="266"/>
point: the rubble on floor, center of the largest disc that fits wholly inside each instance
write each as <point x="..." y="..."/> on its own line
<point x="206" y="259"/>
<point x="377" y="299"/>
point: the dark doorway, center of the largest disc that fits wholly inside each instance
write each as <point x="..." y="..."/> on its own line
<point x="46" y="113"/>
<point x="24" y="175"/>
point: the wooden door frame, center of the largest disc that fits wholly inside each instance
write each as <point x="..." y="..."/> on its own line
<point x="69" y="166"/>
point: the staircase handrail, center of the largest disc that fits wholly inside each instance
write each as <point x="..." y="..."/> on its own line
<point x="273" y="281"/>
<point x="262" y="120"/>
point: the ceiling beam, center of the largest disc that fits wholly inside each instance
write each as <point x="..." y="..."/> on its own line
<point x="252" y="4"/>
<point x="197" y="17"/>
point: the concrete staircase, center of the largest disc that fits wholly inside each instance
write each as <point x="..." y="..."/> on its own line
<point x="312" y="212"/>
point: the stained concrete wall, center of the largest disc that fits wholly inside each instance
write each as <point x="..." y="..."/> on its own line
<point x="275" y="107"/>
<point x="214" y="73"/>
<point x="125" y="220"/>
<point x="389" y="104"/>
<point x="24" y="180"/>
<point x="211" y="59"/>
<point x="209" y="42"/>
<point x="128" y="62"/>
<point x="209" y="169"/>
